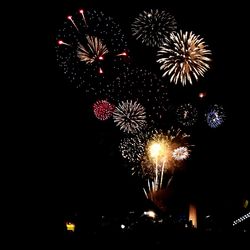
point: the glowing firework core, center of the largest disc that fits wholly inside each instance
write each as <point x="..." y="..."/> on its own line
<point x="155" y="149"/>
<point x="158" y="150"/>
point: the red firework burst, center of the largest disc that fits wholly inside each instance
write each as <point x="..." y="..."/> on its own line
<point x="103" y="109"/>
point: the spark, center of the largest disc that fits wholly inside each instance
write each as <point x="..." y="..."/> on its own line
<point x="202" y="94"/>
<point x="83" y="17"/>
<point x="122" y="54"/>
<point x="61" y="42"/>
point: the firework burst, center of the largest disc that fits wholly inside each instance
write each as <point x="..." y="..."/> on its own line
<point x="103" y="109"/>
<point x="180" y="153"/>
<point x="158" y="161"/>
<point x="132" y="148"/>
<point x="187" y="114"/>
<point x="130" y="116"/>
<point x="151" y="27"/>
<point x="215" y="116"/>
<point x="183" y="56"/>
<point x="95" y="50"/>
<point x="84" y="43"/>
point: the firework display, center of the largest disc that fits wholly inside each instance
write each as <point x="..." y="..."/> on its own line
<point x="151" y="27"/>
<point x="215" y="116"/>
<point x="184" y="56"/>
<point x="93" y="53"/>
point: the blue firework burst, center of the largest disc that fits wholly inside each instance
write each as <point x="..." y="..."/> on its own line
<point x="215" y="116"/>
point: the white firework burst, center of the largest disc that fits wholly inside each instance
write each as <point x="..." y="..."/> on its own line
<point x="150" y="27"/>
<point x="130" y="116"/>
<point x="184" y="56"/>
<point x="93" y="51"/>
<point x="187" y="114"/>
<point x="180" y="153"/>
<point x="132" y="148"/>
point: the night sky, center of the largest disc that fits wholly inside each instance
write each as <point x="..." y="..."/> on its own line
<point x="85" y="165"/>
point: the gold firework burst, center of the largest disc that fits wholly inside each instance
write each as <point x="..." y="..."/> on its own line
<point x="94" y="50"/>
<point x="184" y="56"/>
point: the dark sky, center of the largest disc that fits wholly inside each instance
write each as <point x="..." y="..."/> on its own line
<point x="85" y="164"/>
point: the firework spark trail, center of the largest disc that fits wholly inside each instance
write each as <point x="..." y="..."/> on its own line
<point x="183" y="56"/>
<point x="73" y="22"/>
<point x="162" y="172"/>
<point x="83" y="17"/>
<point x="145" y="192"/>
